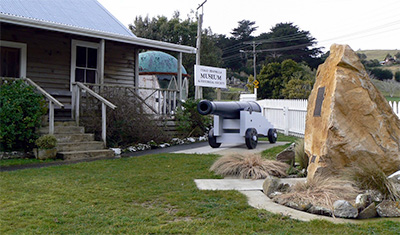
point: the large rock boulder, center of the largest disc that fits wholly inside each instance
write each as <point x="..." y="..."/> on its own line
<point x="348" y="119"/>
<point x="343" y="209"/>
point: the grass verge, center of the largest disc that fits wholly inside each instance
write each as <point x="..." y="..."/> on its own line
<point x="153" y="194"/>
<point x="22" y="161"/>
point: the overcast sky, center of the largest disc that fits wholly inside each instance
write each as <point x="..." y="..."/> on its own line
<point x="362" y="24"/>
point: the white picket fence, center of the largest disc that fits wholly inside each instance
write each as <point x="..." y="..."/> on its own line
<point x="289" y="116"/>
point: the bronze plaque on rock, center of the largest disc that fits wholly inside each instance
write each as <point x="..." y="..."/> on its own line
<point x="318" y="102"/>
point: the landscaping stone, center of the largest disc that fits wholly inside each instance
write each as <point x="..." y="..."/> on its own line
<point x="270" y="185"/>
<point x="287" y="155"/>
<point x="298" y="205"/>
<point x="376" y="196"/>
<point x="388" y="209"/>
<point x="11" y="155"/>
<point x="363" y="201"/>
<point x="395" y="179"/>
<point x="319" y="210"/>
<point x="348" y="118"/>
<point x="343" y="209"/>
<point x="274" y="194"/>
<point x="369" y="212"/>
<point x="117" y="151"/>
<point x="177" y="141"/>
<point x="395" y="176"/>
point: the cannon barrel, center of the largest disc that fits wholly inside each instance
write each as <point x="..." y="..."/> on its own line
<point x="229" y="109"/>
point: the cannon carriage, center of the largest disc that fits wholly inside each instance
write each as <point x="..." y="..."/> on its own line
<point x="237" y="122"/>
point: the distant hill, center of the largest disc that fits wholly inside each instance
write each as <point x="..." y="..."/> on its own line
<point x="377" y="54"/>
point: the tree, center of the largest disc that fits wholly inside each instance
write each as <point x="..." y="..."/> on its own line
<point x="244" y="30"/>
<point x="231" y="45"/>
<point x="276" y="80"/>
<point x="250" y="85"/>
<point x="300" y="84"/>
<point x="287" y="41"/>
<point x="391" y="87"/>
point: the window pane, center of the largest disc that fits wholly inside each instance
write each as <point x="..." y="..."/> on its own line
<point x="10" y="62"/>
<point x="92" y="58"/>
<point x="80" y="56"/>
<point x="79" y="75"/>
<point x="90" y="76"/>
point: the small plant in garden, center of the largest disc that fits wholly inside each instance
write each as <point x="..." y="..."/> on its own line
<point x="46" y="142"/>
<point x="21" y="110"/>
<point x="321" y="191"/>
<point x="190" y="121"/>
<point x="249" y="167"/>
<point x="46" y="147"/>
<point x="366" y="174"/>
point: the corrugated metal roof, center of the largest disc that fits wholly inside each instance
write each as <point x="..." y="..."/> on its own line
<point x="88" y="14"/>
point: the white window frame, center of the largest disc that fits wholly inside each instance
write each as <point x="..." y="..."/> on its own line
<point x="94" y="45"/>
<point x="23" y="57"/>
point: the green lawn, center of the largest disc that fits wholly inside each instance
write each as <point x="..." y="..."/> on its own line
<point x="23" y="161"/>
<point x="153" y="194"/>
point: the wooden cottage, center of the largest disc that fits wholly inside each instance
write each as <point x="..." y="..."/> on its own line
<point x="69" y="46"/>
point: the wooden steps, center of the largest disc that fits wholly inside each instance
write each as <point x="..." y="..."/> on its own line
<point x="74" y="144"/>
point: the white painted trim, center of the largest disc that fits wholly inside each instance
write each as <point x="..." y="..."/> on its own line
<point x="23" y="55"/>
<point x="74" y="44"/>
<point x="96" y="34"/>
<point x="101" y="60"/>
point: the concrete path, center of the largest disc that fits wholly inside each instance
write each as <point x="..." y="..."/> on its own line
<point x="238" y="184"/>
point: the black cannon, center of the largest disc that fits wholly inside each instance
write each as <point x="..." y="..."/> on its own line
<point x="235" y="121"/>
<point x="229" y="110"/>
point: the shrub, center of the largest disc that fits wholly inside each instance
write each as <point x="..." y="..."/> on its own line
<point x="190" y="121"/>
<point x="300" y="154"/>
<point x="249" y="167"/>
<point x="368" y="175"/>
<point x="382" y="74"/>
<point x="321" y="191"/>
<point x="46" y="142"/>
<point x="126" y="125"/>
<point x="397" y="76"/>
<point x="21" y="110"/>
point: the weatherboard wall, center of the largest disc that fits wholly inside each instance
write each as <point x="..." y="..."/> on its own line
<point x="49" y="56"/>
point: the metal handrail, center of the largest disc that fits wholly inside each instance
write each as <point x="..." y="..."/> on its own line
<point x="50" y="98"/>
<point x="75" y="105"/>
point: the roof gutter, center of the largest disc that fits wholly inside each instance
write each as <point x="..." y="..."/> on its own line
<point x="97" y="34"/>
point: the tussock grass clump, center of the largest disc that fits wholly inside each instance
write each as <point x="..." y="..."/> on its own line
<point x="249" y="167"/>
<point x="300" y="154"/>
<point x="368" y="175"/>
<point x="321" y="191"/>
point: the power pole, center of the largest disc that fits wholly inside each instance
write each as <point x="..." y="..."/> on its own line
<point x="254" y="64"/>
<point x="255" y="69"/>
<point x="198" y="94"/>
